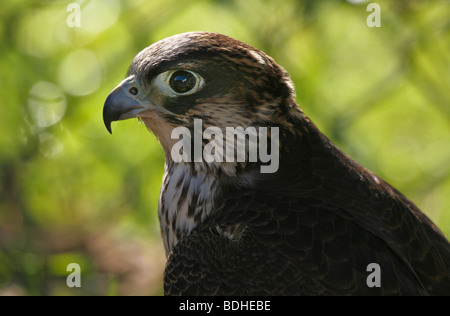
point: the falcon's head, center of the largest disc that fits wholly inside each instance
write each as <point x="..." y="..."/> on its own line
<point x="201" y="75"/>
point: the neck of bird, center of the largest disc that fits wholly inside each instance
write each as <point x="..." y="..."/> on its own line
<point x="190" y="191"/>
<point x="187" y="198"/>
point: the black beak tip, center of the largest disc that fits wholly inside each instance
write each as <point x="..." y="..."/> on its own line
<point x="107" y="124"/>
<point x="107" y="120"/>
<point x="108" y="127"/>
<point x="110" y="113"/>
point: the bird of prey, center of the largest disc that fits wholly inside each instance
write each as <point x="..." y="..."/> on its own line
<point x="319" y="224"/>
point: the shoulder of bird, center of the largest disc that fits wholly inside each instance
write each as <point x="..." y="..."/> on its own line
<point x="312" y="227"/>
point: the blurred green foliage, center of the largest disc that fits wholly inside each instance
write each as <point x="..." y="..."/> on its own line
<point x="70" y="192"/>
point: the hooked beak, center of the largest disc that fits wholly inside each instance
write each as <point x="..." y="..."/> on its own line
<point x="121" y="105"/>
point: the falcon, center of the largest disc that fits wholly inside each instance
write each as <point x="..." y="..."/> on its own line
<point x="320" y="224"/>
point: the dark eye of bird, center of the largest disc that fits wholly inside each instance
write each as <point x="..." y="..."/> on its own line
<point x="182" y="81"/>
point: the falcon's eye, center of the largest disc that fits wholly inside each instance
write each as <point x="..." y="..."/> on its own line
<point x="182" y="81"/>
<point x="176" y="83"/>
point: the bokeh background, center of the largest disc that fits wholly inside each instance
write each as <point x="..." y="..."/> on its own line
<point x="72" y="193"/>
